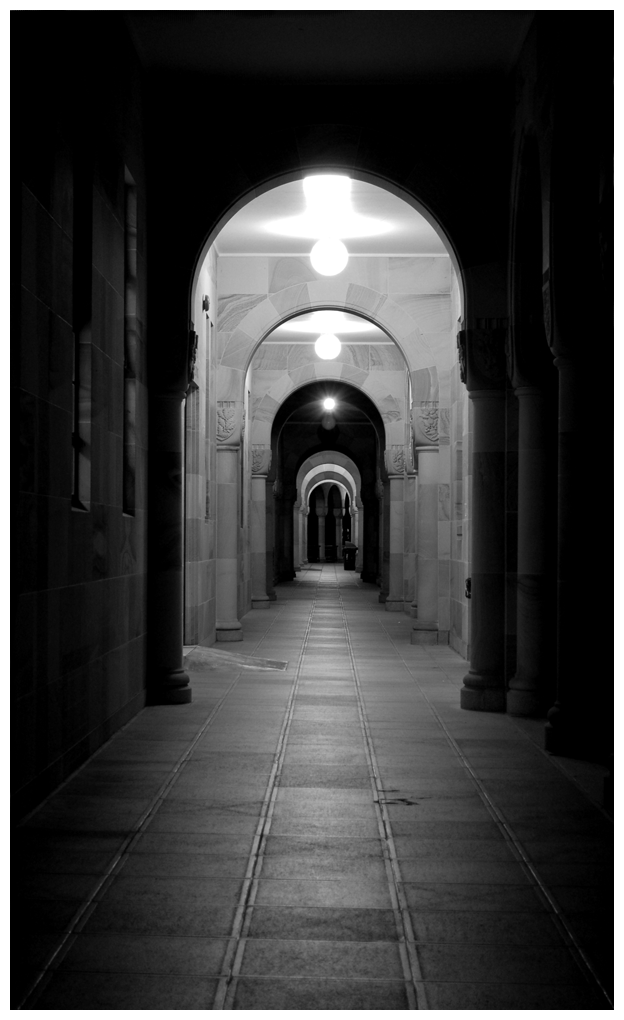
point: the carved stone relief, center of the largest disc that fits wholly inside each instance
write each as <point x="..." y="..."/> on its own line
<point x="227" y="421"/>
<point x="426" y="423"/>
<point x="193" y="341"/>
<point x="461" y="354"/>
<point x="260" y="460"/>
<point x="486" y="356"/>
<point x="395" y="460"/>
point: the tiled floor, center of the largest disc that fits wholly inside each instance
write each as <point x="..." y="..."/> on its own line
<point x="335" y="835"/>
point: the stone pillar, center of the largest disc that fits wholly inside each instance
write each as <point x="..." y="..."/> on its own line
<point x="484" y="684"/>
<point x="260" y="465"/>
<point x="303" y="534"/>
<point x="296" y="531"/>
<point x="525" y="694"/>
<point x="572" y="720"/>
<point x="168" y="683"/>
<point x="321" y="513"/>
<point x="229" y="424"/>
<point x="425" y="626"/>
<point x="358" y="531"/>
<point x="382" y="518"/>
<point x="338" y="525"/>
<point x="270" y="540"/>
<point x="395" y="466"/>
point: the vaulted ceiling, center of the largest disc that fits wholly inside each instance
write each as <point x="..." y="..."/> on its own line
<point x="330" y="45"/>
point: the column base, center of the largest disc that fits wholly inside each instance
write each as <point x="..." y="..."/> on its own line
<point x="424" y="634"/>
<point x="481" y="694"/>
<point x="229" y="631"/>
<point x="173" y="689"/>
<point x="394" y="605"/>
<point x="570" y="740"/>
<point x="260" y="602"/>
<point x="523" y="703"/>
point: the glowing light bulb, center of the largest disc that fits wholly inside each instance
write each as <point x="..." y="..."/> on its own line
<point x="329" y="403"/>
<point x="328" y="346"/>
<point x="329" y="256"/>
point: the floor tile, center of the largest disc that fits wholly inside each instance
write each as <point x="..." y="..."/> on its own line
<point x="299" y="958"/>
<point x="127" y="991"/>
<point x="137" y="954"/>
<point x="327" y="923"/>
<point x="319" y="994"/>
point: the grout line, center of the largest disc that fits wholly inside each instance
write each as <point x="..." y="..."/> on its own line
<point x="89" y="904"/>
<point x="414" y="982"/>
<point x="226" y="988"/>
<point x="539" y="886"/>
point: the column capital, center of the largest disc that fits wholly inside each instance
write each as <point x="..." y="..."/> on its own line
<point x="260" y="460"/>
<point x="395" y="460"/>
<point x="425" y="420"/>
<point x="229" y="423"/>
<point x="484" y="350"/>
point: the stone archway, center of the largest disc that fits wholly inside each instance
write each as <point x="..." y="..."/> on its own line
<point x="320" y="467"/>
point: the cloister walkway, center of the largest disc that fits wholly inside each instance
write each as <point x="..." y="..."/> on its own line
<point x="337" y="834"/>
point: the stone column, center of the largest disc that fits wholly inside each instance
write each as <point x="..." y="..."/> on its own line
<point x="484" y="684"/>
<point x="321" y="513"/>
<point x="395" y="466"/>
<point x="270" y="540"/>
<point x="358" y="539"/>
<point x="338" y="525"/>
<point x="303" y="532"/>
<point x="229" y="424"/>
<point x="296" y="526"/>
<point x="168" y="683"/>
<point x="382" y="520"/>
<point x="260" y="465"/>
<point x="425" y="626"/>
<point x="572" y="720"/>
<point x="525" y="694"/>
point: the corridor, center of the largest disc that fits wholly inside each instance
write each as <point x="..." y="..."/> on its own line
<point x="335" y="834"/>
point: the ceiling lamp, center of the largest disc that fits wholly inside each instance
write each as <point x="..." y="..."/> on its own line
<point x="329" y="403"/>
<point x="329" y="256"/>
<point x="328" y="346"/>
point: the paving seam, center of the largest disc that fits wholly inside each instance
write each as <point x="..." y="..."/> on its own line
<point x="226" y="988"/>
<point x="531" y="873"/>
<point x="89" y="904"/>
<point x="414" y="981"/>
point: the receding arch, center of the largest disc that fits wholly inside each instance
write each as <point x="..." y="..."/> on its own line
<point x="254" y="327"/>
<point x="356" y="173"/>
<point x="392" y="410"/>
<point x="330" y="462"/>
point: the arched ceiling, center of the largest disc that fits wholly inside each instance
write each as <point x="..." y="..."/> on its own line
<point x="255" y="229"/>
<point x="305" y="405"/>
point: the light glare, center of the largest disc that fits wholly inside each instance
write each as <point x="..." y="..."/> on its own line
<point x="327" y="321"/>
<point x="329" y="403"/>
<point x="327" y="347"/>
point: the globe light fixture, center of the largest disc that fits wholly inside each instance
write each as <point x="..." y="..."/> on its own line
<point x="329" y="403"/>
<point x="327" y="347"/>
<point x="329" y="256"/>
